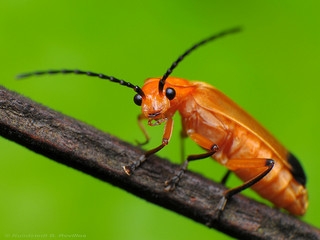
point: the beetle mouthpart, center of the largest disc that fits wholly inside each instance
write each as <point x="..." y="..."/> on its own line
<point x="155" y="122"/>
<point x="153" y="115"/>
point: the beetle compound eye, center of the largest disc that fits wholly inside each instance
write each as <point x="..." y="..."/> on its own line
<point x="170" y="93"/>
<point x="137" y="99"/>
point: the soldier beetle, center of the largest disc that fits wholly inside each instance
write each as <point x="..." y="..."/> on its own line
<point x="224" y="130"/>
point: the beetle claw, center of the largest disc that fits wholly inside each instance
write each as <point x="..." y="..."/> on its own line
<point x="128" y="169"/>
<point x="222" y="203"/>
<point x="220" y="207"/>
<point x="170" y="185"/>
<point x="140" y="144"/>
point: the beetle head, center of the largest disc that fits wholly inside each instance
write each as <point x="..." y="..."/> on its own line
<point x="155" y="105"/>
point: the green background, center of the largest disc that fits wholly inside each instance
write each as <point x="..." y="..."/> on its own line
<point x="271" y="69"/>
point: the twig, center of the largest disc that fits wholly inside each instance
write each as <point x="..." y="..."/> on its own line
<point x="85" y="148"/>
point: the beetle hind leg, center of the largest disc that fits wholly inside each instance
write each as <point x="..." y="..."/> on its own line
<point x="225" y="177"/>
<point x="235" y="164"/>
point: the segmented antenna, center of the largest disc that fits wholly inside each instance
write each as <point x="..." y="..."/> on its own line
<point x="209" y="39"/>
<point x="137" y="89"/>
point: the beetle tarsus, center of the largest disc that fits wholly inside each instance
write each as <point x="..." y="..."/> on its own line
<point x="222" y="203"/>
<point x="129" y="169"/>
<point x="220" y="207"/>
<point x="140" y="144"/>
<point x="171" y="184"/>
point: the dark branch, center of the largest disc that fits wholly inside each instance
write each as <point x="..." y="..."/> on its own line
<point x="87" y="149"/>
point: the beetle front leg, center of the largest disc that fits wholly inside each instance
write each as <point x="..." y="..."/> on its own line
<point x="129" y="169"/>
<point x="143" y="129"/>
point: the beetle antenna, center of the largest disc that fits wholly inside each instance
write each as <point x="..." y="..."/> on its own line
<point x="137" y="89"/>
<point x="195" y="46"/>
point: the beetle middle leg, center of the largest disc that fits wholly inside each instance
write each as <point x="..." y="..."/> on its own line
<point x="171" y="183"/>
<point x="206" y="144"/>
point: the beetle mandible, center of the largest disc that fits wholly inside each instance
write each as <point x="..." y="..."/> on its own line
<point x="222" y="128"/>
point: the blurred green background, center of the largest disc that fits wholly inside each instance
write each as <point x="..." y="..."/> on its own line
<point x="271" y="69"/>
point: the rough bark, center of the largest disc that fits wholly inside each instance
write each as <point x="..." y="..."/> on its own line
<point x="94" y="152"/>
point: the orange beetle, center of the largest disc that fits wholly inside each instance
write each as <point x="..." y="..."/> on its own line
<point x="227" y="133"/>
